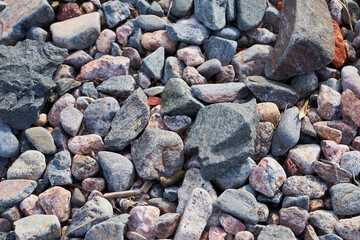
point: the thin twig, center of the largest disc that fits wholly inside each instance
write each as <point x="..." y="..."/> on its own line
<point x="122" y="194"/>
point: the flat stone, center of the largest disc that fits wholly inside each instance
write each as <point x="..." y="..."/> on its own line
<point x="18" y="17"/>
<point x="29" y="165"/>
<point x="173" y="69"/>
<point x="166" y="225"/>
<point x="296" y="42"/>
<point x="181" y="8"/>
<point x="351" y="162"/>
<point x="71" y="119"/>
<point x="209" y="68"/>
<point x="270" y="91"/>
<point x="211" y="13"/>
<point x="93" y="184"/>
<point x="153" y="64"/>
<point x="14" y="191"/>
<point x="113" y="228"/>
<point x="31" y="206"/>
<point x="118" y="86"/>
<point x="348" y="228"/>
<point x="128" y="122"/>
<point x="249" y="13"/>
<point x="115" y="12"/>
<point x="178" y="123"/>
<point x="345" y="199"/>
<point x="158" y="153"/>
<point x="58" y="170"/>
<point x="10" y="145"/>
<point x="301" y="202"/>
<point x="331" y="172"/>
<point x="304" y="84"/>
<point x="191" y="55"/>
<point x="327" y="133"/>
<point x="36" y="72"/>
<point x="77" y="59"/>
<point x="324" y="221"/>
<point x="204" y="140"/>
<point x="54" y="114"/>
<point x="76" y="33"/>
<point x="308" y="185"/>
<point x="151" y="23"/>
<point x="190" y="34"/>
<point x="65" y="85"/>
<point x="41" y="139"/>
<point x="304" y="155"/>
<point x="38" y="227"/>
<point x="220" y="48"/>
<point x="228" y="32"/>
<point x="276" y="232"/>
<point x="288" y="132"/>
<point x="142" y="222"/>
<point x="85" y="144"/>
<point x="195" y="216"/>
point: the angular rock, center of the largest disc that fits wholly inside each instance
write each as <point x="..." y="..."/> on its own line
<point x="142" y="222"/>
<point x="83" y="167"/>
<point x="153" y="40"/>
<point x="332" y="172"/>
<point x="166" y="225"/>
<point x="261" y="36"/>
<point x="276" y="232"/>
<point x="308" y="185"/>
<point x="230" y="224"/>
<point x="85" y="144"/>
<point x="10" y="145"/>
<point x="324" y="221"/>
<point x="38" y="226"/>
<point x="54" y="114"/>
<point x="180" y="8"/>
<point x="113" y="228"/>
<point x="210" y="68"/>
<point x="211" y="13"/>
<point x="153" y="64"/>
<point x="14" y="191"/>
<point x="333" y="151"/>
<point x="58" y="170"/>
<point x="304" y="84"/>
<point x="191" y="55"/>
<point x="78" y="58"/>
<point x="350" y="106"/>
<point x="67" y="10"/>
<point x="351" y="162"/>
<point x="29" y="165"/>
<point x="249" y="13"/>
<point x="301" y="202"/>
<point x="115" y="12"/>
<point x="190" y="34"/>
<point x="345" y="199"/>
<point x="41" y="139"/>
<point x="178" y="123"/>
<point x="104" y="41"/>
<point x="327" y="133"/>
<point x="220" y="48"/>
<point x="173" y="69"/>
<point x="304" y="155"/>
<point x="119" y="86"/>
<point x="31" y="206"/>
<point x="329" y="102"/>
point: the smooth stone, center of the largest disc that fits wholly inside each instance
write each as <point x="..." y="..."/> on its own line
<point x="38" y="34"/>
<point x="85" y="144"/>
<point x="301" y="202"/>
<point x="142" y="6"/>
<point x="304" y="84"/>
<point x="221" y="49"/>
<point x="190" y="34"/>
<point x="115" y="12"/>
<point x="351" y="162"/>
<point x="228" y="32"/>
<point x="350" y="79"/>
<point x="156" y="9"/>
<point x="250" y="13"/>
<point x="153" y="64"/>
<point x="348" y="228"/>
<point x="71" y="119"/>
<point x="77" y="59"/>
<point x="63" y="102"/>
<point x="308" y="185"/>
<point x="345" y="198"/>
<point x="173" y="69"/>
<point x="323" y="221"/>
<point x="181" y="8"/>
<point x="29" y="165"/>
<point x="10" y="145"/>
<point x="41" y="139"/>
<point x="59" y="169"/>
<point x="212" y="13"/>
<point x="14" y="191"/>
<point x="77" y="198"/>
<point x="38" y="226"/>
<point x="151" y="23"/>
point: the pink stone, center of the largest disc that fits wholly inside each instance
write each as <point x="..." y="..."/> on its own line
<point x="294" y="218"/>
<point x="192" y="76"/>
<point x="85" y="144"/>
<point x="231" y="224"/>
<point x="304" y="155"/>
<point x="329" y="102"/>
<point x="312" y="114"/>
<point x="216" y="233"/>
<point x="13" y="191"/>
<point x="166" y="225"/>
<point x="64" y="71"/>
<point x="153" y="40"/>
<point x="333" y="151"/>
<point x="56" y="201"/>
<point x="103" y="43"/>
<point x="142" y="222"/>
<point x="67" y="11"/>
<point x="122" y="34"/>
<point x="269" y="112"/>
<point x="226" y="74"/>
<point x="93" y="194"/>
<point x="104" y="68"/>
<point x="156" y="122"/>
<point x="31" y="205"/>
<point x="356" y="143"/>
<point x="12" y="214"/>
<point x="5" y="225"/>
<point x="350" y="107"/>
<point x="88" y="7"/>
<point x="191" y="55"/>
<point x="244" y="235"/>
<point x="268" y="177"/>
<point x="91" y="184"/>
<point x="54" y="114"/>
<point x="83" y="167"/>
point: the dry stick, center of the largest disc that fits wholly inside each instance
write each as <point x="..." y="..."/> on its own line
<point x="348" y="12"/>
<point x="122" y="194"/>
<point x="146" y="186"/>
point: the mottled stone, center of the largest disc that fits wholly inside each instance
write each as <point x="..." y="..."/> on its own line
<point x="153" y="40"/>
<point x="56" y="201"/>
<point x="228" y="32"/>
<point x="332" y="172"/>
<point x="178" y="123"/>
<point x="192" y="76"/>
<point x="190" y="34"/>
<point x="83" y="167"/>
<point x="103" y="42"/>
<point x="304" y="185"/>
<point x="166" y="225"/>
<point x="348" y="131"/>
<point x="41" y="139"/>
<point x="215" y="93"/>
<point x="122" y="34"/>
<point x="350" y="79"/>
<point x="71" y="119"/>
<point x="348" y="228"/>
<point x="115" y="12"/>
<point x="191" y="55"/>
<point x="324" y="221"/>
<point x="350" y="106"/>
<point x="180" y="8"/>
<point x="301" y="202"/>
<point x="249" y="13"/>
<point x="244" y="235"/>
<point x="269" y="112"/>
<point x="29" y="165"/>
<point x="345" y="198"/>
<point x="329" y="102"/>
<point x="85" y="144"/>
<point x="54" y="114"/>
<point x="113" y="228"/>
<point x="134" y="56"/>
<point x="294" y="218"/>
<point x="163" y="205"/>
<point x="276" y="232"/>
<point x="230" y="224"/>
<point x="351" y="162"/>
<point x="9" y="143"/>
<point x="304" y="84"/>
<point x="78" y="58"/>
<point x="38" y="226"/>
<point x="31" y="206"/>
<point x="327" y="133"/>
<point x="211" y="13"/>
<point x="58" y="170"/>
<point x="304" y="156"/>
<point x="173" y="69"/>
<point x="91" y="184"/>
<point x="262" y="145"/>
<point x="156" y="122"/>
<point x="153" y="64"/>
<point x="142" y="222"/>
<point x="333" y="151"/>
<point x="226" y="74"/>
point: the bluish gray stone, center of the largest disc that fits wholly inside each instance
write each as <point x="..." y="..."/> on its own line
<point x="250" y="13"/>
<point x="330" y="237"/>
<point x="156" y="9"/>
<point x="151" y="23"/>
<point x="88" y="89"/>
<point x="64" y="85"/>
<point x="301" y="201"/>
<point x="272" y="17"/>
<point x="113" y="228"/>
<point x="3" y="167"/>
<point x="8" y="198"/>
<point x="59" y="169"/>
<point x="191" y="34"/>
<point x="228" y="32"/>
<point x="212" y="13"/>
<point x="142" y="6"/>
<point x="333" y="83"/>
<point x="119" y="172"/>
<point x="10" y="145"/>
<point x="304" y="185"/>
<point x="272" y="201"/>
<point x="209" y="68"/>
<point x="171" y="193"/>
<point x="345" y="199"/>
<point x="135" y="38"/>
<point x="304" y="84"/>
<point x="115" y="12"/>
<point x="77" y="198"/>
<point x="153" y="65"/>
<point x="118" y="86"/>
<point x="231" y="10"/>
<point x="115" y="49"/>
<point x="181" y="8"/>
<point x="60" y="138"/>
<point x="220" y="48"/>
<point x="41" y="139"/>
<point x="272" y="231"/>
<point x="173" y="69"/>
<point x="38" y="34"/>
<point x="156" y="191"/>
<point x="323" y="221"/>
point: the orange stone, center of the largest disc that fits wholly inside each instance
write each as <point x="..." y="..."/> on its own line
<point x="279" y="6"/>
<point x="340" y="48"/>
<point x="327" y="133"/>
<point x="153" y="101"/>
<point x="269" y="112"/>
<point x="316" y="204"/>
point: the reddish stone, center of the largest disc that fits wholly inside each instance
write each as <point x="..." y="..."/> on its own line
<point x="156" y="122"/>
<point x="348" y="131"/>
<point x="104" y="68"/>
<point x="56" y="201"/>
<point x="294" y="218"/>
<point x="312" y="114"/>
<point x="54" y="114"/>
<point x="340" y="48"/>
<point x="329" y="102"/>
<point x="279" y="6"/>
<point x="226" y="74"/>
<point x="316" y="204"/>
<point x="83" y="167"/>
<point x="85" y="144"/>
<point x="204" y="236"/>
<point x="290" y="168"/>
<point x="91" y="184"/>
<point x="153" y="40"/>
<point x="327" y="133"/>
<point x="356" y="143"/>
<point x="191" y="55"/>
<point x="230" y="224"/>
<point x="64" y="71"/>
<point x="269" y="112"/>
<point x="104" y="41"/>
<point x="122" y="34"/>
<point x="333" y="151"/>
<point x="142" y="222"/>
<point x="12" y="214"/>
<point x="166" y="225"/>
<point x="350" y="107"/>
<point x="14" y="191"/>
<point x="273" y="219"/>
<point x="192" y="76"/>
<point x="216" y="233"/>
<point x="31" y="205"/>
<point x="244" y="235"/>
<point x="67" y="11"/>
<point x="153" y="101"/>
<point x="304" y="155"/>
<point x="5" y="225"/>
<point x="93" y="194"/>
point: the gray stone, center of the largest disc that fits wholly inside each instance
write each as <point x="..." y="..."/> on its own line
<point x="38" y="34"/>
<point x="237" y="176"/>
<point x="345" y="199"/>
<point x="60" y="138"/>
<point x="142" y="6"/>
<point x="181" y="8"/>
<point x="330" y="237"/>
<point x="156" y="9"/>
<point x="20" y="104"/>
<point x="135" y="38"/>
<point x="99" y="115"/>
<point x="77" y="198"/>
<point x="261" y="36"/>
<point x="115" y="12"/>
<point x="128" y="122"/>
<point x="307" y="128"/>
<point x="93" y="212"/>
<point x="14" y="191"/>
<point x="272" y="201"/>
<point x="41" y="227"/>
<point x="7" y="236"/>
<point x="304" y="84"/>
<point x="163" y="205"/>
<point x="271" y="232"/>
<point x="301" y="201"/>
<point x="178" y="123"/>
<point x="349" y="228"/>
<point x="19" y="16"/>
<point x="209" y="68"/>
<point x="266" y="90"/>
<point x="331" y="172"/>
<point x="272" y="17"/>
<point x="3" y="167"/>
<point x="171" y="193"/>
<point x="297" y="42"/>
<point x="77" y="59"/>
<point x="118" y="171"/>
<point x="308" y="185"/>
<point x="223" y="147"/>
<point x="88" y="89"/>
<point x="156" y="191"/>
<point x="221" y="49"/>
<point x="113" y="228"/>
<point x="324" y="221"/>
<point x="288" y="132"/>
<point x="228" y="32"/>
<point x="64" y="85"/>
<point x="212" y="13"/>
<point x="118" y="86"/>
<point x="153" y="64"/>
<point x="178" y="100"/>
<point x="29" y="165"/>
<point x="10" y="145"/>
<point x="71" y="119"/>
<point x="58" y="170"/>
<point x="238" y="203"/>
<point x="151" y="23"/>
<point x="190" y="34"/>
<point x="231" y="10"/>
<point x="250" y="13"/>
<point x="333" y="83"/>
<point x="116" y="50"/>
<point x="158" y="153"/>
<point x="41" y="139"/>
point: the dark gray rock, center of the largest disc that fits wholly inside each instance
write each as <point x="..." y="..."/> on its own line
<point x="173" y="69"/>
<point x="118" y="171"/>
<point x="38" y="226"/>
<point x="64" y="85"/>
<point x="288" y="132"/>
<point x="2" y="5"/>
<point x="212" y="13"/>
<point x="156" y="191"/>
<point x="113" y="228"/>
<point x="133" y="54"/>
<point x="301" y="201"/>
<point x="308" y="185"/>
<point x="135" y="38"/>
<point x="250" y="13"/>
<point x="228" y="32"/>
<point x="163" y="205"/>
<point x="238" y="203"/>
<point x="10" y="145"/>
<point x="77" y="198"/>
<point x="223" y="147"/>
<point x="272" y="201"/>
<point x="151" y="23"/>
<point x="181" y="8"/>
<point x="42" y="185"/>
<point x="158" y="153"/>
<point x="77" y="59"/>
<point x="3" y="167"/>
<point x="41" y="139"/>
<point x="115" y="12"/>
<point x="191" y="34"/>
<point x="231" y="10"/>
<point x="7" y="236"/>
<point x="171" y="193"/>
<point x="128" y="122"/>
<point x="296" y="42"/>
<point x="324" y="221"/>
<point x="270" y="91"/>
<point x="305" y="84"/>
<point x="345" y="199"/>
<point x="115" y="49"/>
<point x="99" y="115"/>
<point x="142" y="6"/>
<point x="153" y="65"/>
<point x="88" y="89"/>
<point x="209" y="68"/>
<point x="20" y="104"/>
<point x="221" y="49"/>
<point x="178" y="123"/>
<point x="270" y="232"/>
<point x="177" y="99"/>
<point x="331" y="172"/>
<point x="38" y="34"/>
<point x="272" y="18"/>
<point x="58" y="170"/>
<point x="60" y="139"/>
<point x="118" y="86"/>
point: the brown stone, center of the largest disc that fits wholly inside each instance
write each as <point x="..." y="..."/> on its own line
<point x="327" y="133"/>
<point x="350" y="107"/>
<point x="67" y="10"/>
<point x="269" y="112"/>
<point x="316" y="204"/>
<point x="153" y="40"/>
<point x="85" y="144"/>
